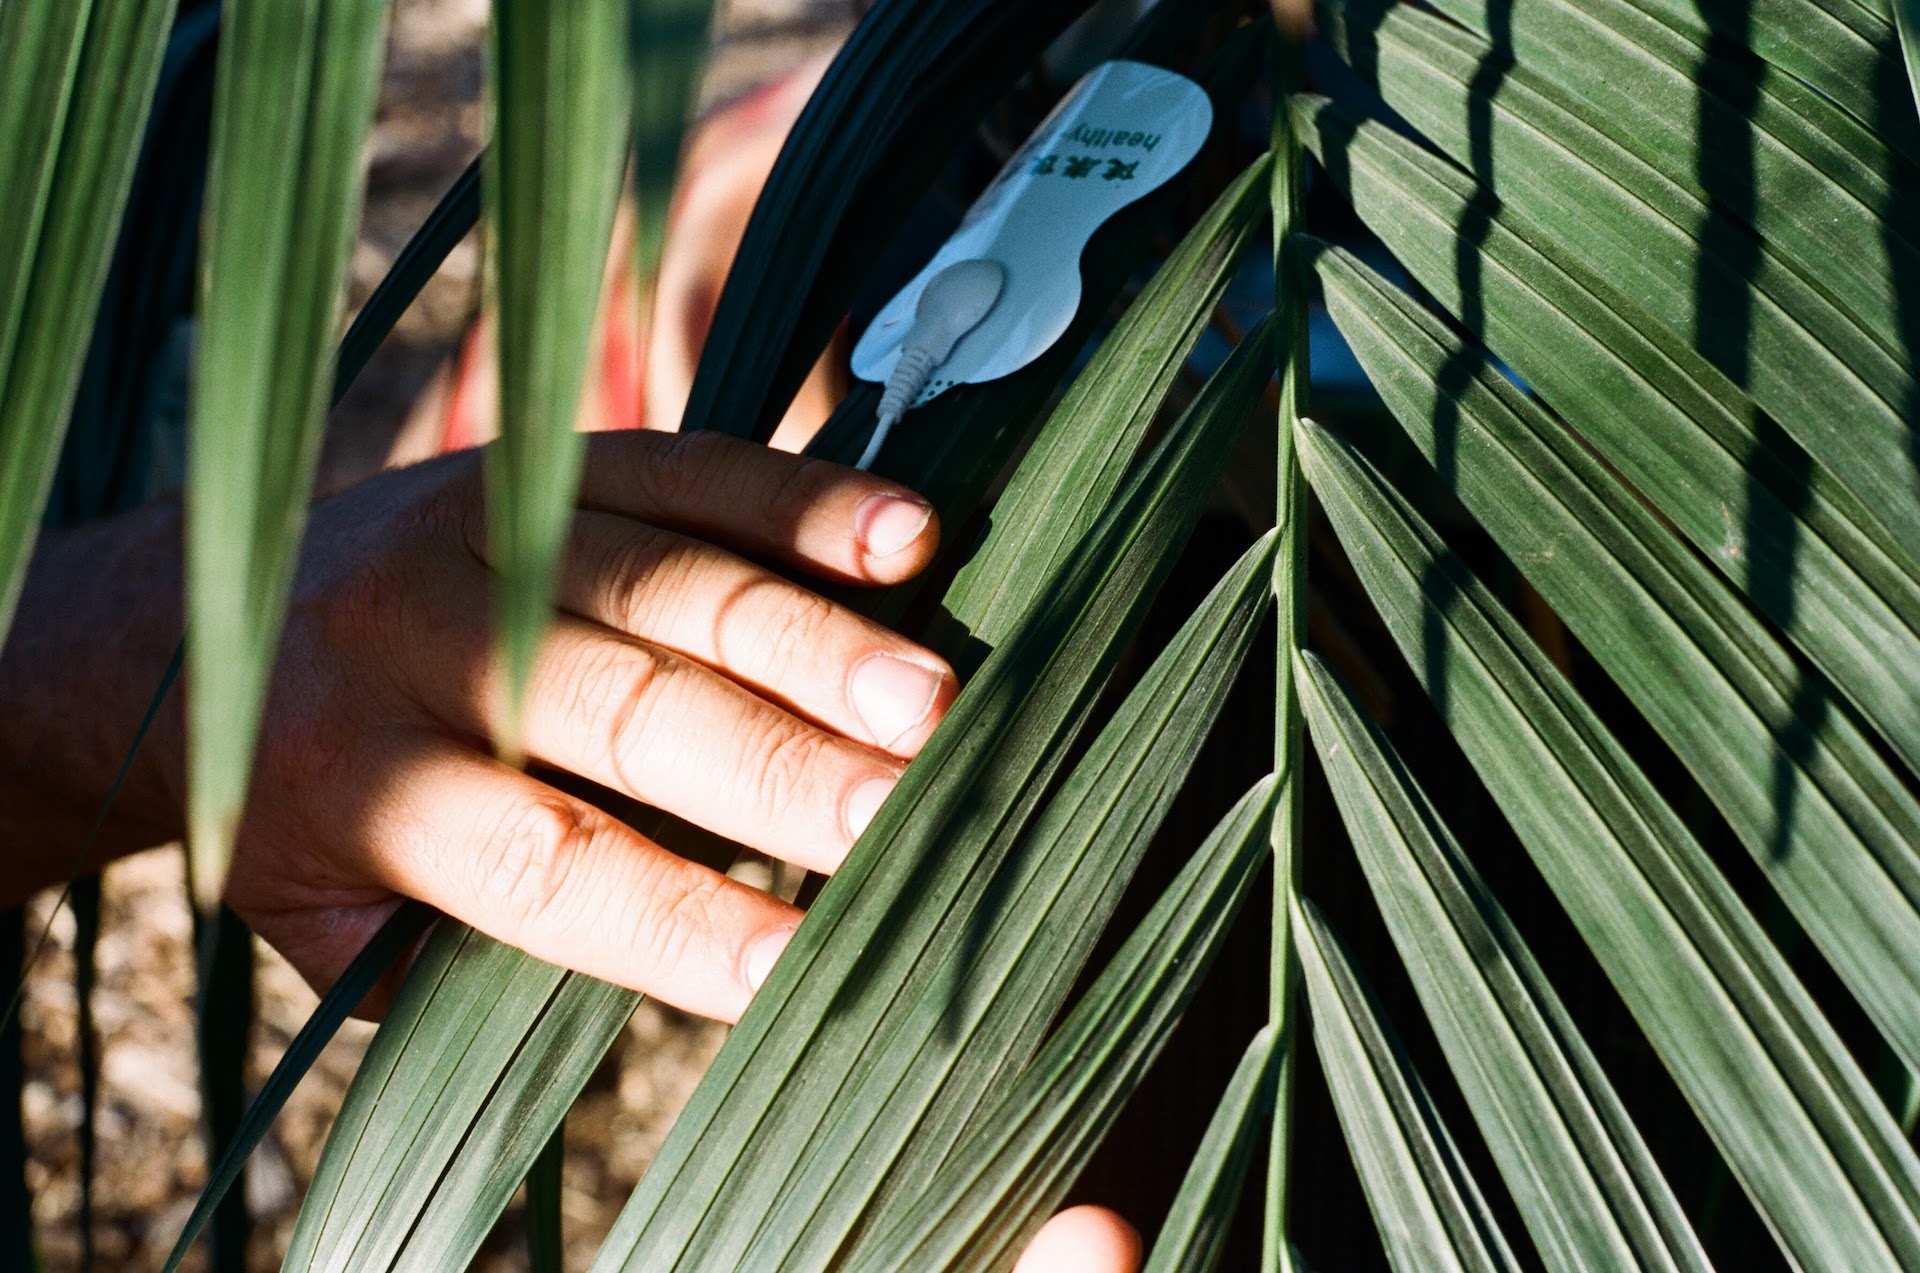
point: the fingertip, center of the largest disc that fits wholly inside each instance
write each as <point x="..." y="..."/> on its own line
<point x="1083" y="1240"/>
<point x="897" y="533"/>
<point x="900" y="699"/>
<point x="763" y="953"/>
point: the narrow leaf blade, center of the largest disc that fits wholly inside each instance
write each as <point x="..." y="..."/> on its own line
<point x="293" y="102"/>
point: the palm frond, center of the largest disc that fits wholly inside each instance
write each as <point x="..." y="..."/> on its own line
<point x="1797" y="1121"/>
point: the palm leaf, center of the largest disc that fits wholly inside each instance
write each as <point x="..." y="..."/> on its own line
<point x="399" y="932"/>
<point x="1824" y="815"/>
<point x="80" y="81"/>
<point x="1586" y="1186"/>
<point x="1835" y="46"/>
<point x="415" y="1097"/>
<point x="559" y="93"/>
<point x="973" y="1014"/>
<point x="451" y="220"/>
<point x="1425" y="1203"/>
<point x="293" y="101"/>
<point x="223" y="1030"/>
<point x="669" y="48"/>
<point x="1123" y="386"/>
<point x="1010" y="1173"/>
<point x="1671" y="424"/>
<point x="1743" y="306"/>
<point x="1291" y="511"/>
<point x="1797" y="1122"/>
<point x="1818" y="187"/>
<point x="1909" y="24"/>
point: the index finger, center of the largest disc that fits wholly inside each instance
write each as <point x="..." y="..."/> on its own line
<point x="824" y="517"/>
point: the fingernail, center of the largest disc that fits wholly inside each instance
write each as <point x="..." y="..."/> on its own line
<point x="888" y="523"/>
<point x="863" y="802"/>
<point x="764" y="954"/>
<point x="892" y="696"/>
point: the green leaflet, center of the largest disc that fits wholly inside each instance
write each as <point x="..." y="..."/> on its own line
<point x="400" y="931"/>
<point x="1836" y="390"/>
<point x="1123" y="386"/>
<point x="1194" y="1234"/>
<point x="945" y="828"/>
<point x="419" y="1092"/>
<point x="1824" y="815"/>
<point x="356" y="1203"/>
<point x="907" y="87"/>
<point x="449" y="222"/>
<point x="559" y="93"/>
<point x="1588" y="1190"/>
<point x="669" y="50"/>
<point x="1796" y="1121"/>
<point x="293" y="101"/>
<point x="1010" y="1173"/>
<point x="79" y="81"/>
<point x="1431" y="1216"/>
<point x="974" y="1010"/>
<point x="1835" y="46"/>
<point x="1818" y="186"/>
<point x="1789" y="539"/>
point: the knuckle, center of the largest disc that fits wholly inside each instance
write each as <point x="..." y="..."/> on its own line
<point x="795" y="625"/>
<point x="804" y="483"/>
<point x="685" y="470"/>
<point x="785" y="765"/>
<point x="526" y="865"/>
<point x="676" y="919"/>
<point x="619" y="690"/>
<point x="638" y="578"/>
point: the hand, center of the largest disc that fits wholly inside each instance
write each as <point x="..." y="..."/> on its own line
<point x="677" y="673"/>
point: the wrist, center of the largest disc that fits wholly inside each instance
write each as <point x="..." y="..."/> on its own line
<point x="97" y="622"/>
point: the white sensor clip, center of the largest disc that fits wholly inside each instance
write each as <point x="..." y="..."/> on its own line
<point x="956" y="301"/>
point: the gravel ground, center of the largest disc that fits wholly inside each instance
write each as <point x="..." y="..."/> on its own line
<point x="150" y="1165"/>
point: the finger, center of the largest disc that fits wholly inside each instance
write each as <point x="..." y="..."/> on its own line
<point x="537" y="869"/>
<point x="675" y="735"/>
<point x="791" y="645"/>
<point x="1083" y="1240"/>
<point x="824" y="517"/>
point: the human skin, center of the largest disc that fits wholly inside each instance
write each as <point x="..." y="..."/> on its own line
<point x="678" y="672"/>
